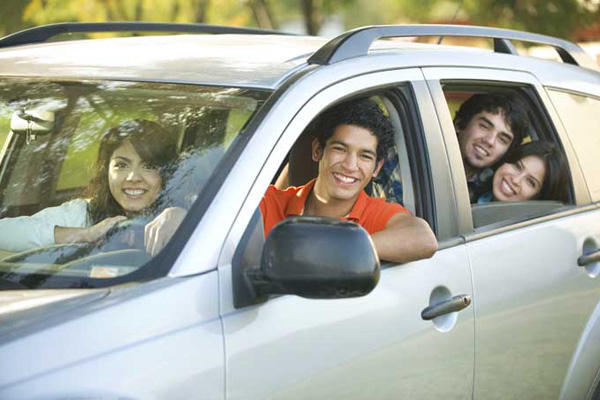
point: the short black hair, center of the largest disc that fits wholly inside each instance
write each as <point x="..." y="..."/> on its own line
<point x="154" y="144"/>
<point x="364" y="113"/>
<point x="556" y="178"/>
<point x="496" y="103"/>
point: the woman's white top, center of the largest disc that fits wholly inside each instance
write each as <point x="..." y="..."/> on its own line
<point x="24" y="233"/>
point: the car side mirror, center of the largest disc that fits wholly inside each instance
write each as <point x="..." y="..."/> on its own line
<point x="312" y="257"/>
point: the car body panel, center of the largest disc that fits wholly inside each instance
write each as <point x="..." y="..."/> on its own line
<point x="224" y="59"/>
<point x="542" y="277"/>
<point x="168" y="328"/>
<point x="14" y="301"/>
<point x="375" y="347"/>
<point x="582" y="375"/>
<point x="539" y="312"/>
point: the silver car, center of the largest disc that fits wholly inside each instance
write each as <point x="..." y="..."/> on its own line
<point x="508" y="307"/>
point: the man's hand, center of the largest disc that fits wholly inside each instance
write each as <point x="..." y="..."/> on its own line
<point x="160" y="230"/>
<point x="64" y="234"/>
<point x="405" y="238"/>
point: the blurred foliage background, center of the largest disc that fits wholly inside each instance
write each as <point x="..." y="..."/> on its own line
<point x="577" y="20"/>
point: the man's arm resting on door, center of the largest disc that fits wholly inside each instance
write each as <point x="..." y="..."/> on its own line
<point x="405" y="238"/>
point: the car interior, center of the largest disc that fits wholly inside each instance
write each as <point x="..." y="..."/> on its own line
<point x="41" y="136"/>
<point x="50" y="144"/>
<point x="497" y="213"/>
<point x="299" y="168"/>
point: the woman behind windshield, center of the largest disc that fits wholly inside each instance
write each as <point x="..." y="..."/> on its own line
<point x="533" y="171"/>
<point x="132" y="168"/>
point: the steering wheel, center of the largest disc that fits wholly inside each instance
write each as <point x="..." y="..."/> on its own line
<point x="123" y="245"/>
<point x="55" y="254"/>
<point x="128" y="234"/>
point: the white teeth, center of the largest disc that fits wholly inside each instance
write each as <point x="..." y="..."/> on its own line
<point x="345" y="179"/>
<point x="481" y="151"/>
<point x="507" y="188"/>
<point x="134" y="192"/>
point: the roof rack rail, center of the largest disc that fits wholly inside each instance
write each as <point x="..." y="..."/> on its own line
<point x="42" y="33"/>
<point x="357" y="42"/>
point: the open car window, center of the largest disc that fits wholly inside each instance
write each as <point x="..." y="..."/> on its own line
<point x="500" y="192"/>
<point x="402" y="178"/>
<point x="51" y="136"/>
<point x="394" y="182"/>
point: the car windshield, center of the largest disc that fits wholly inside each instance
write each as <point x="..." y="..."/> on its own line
<point x="91" y="173"/>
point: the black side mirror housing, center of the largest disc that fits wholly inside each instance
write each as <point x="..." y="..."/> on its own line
<point x="312" y="257"/>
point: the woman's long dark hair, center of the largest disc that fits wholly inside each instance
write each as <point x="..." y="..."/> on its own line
<point x="153" y="143"/>
<point x="556" y="178"/>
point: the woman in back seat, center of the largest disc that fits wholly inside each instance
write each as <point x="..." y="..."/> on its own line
<point x="533" y="171"/>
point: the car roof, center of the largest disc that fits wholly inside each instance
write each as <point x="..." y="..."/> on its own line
<point x="259" y="61"/>
<point x="265" y="61"/>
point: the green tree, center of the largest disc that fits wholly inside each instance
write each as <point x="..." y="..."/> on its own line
<point x="554" y="17"/>
<point x="12" y="15"/>
<point x="262" y="13"/>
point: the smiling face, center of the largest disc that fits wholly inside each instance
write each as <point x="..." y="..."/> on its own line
<point x="485" y="139"/>
<point x="132" y="183"/>
<point x="346" y="164"/>
<point x="520" y="181"/>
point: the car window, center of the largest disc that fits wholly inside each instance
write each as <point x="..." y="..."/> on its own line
<point x="388" y="184"/>
<point x="514" y="163"/>
<point x="78" y="154"/>
<point x="579" y="113"/>
<point x="396" y="182"/>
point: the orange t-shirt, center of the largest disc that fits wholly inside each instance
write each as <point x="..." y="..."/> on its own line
<point x="369" y="212"/>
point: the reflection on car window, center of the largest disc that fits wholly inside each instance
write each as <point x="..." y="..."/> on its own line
<point x="578" y="113"/>
<point x="95" y="177"/>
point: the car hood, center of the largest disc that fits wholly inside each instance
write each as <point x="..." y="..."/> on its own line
<point x="24" y="311"/>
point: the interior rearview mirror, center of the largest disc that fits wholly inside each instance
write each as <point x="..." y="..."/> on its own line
<point x="32" y="122"/>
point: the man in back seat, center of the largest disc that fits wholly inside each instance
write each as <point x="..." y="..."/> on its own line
<point x="489" y="126"/>
<point x="351" y="140"/>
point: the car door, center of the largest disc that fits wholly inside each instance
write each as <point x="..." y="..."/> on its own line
<point x="578" y="111"/>
<point x="533" y="302"/>
<point x="377" y="346"/>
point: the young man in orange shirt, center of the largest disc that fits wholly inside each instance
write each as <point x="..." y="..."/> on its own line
<point x="351" y="141"/>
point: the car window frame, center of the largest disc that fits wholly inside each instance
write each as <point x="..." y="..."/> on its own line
<point x="503" y="78"/>
<point x="375" y="83"/>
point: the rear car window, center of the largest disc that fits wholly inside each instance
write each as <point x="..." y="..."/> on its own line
<point x="530" y="175"/>
<point x="580" y="115"/>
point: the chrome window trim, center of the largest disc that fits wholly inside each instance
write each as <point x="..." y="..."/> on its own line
<point x="490" y="230"/>
<point x="571" y="91"/>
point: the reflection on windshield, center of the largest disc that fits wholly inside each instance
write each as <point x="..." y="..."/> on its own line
<point x="95" y="178"/>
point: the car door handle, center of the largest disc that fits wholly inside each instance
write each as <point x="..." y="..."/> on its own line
<point x="588" y="258"/>
<point x="454" y="304"/>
